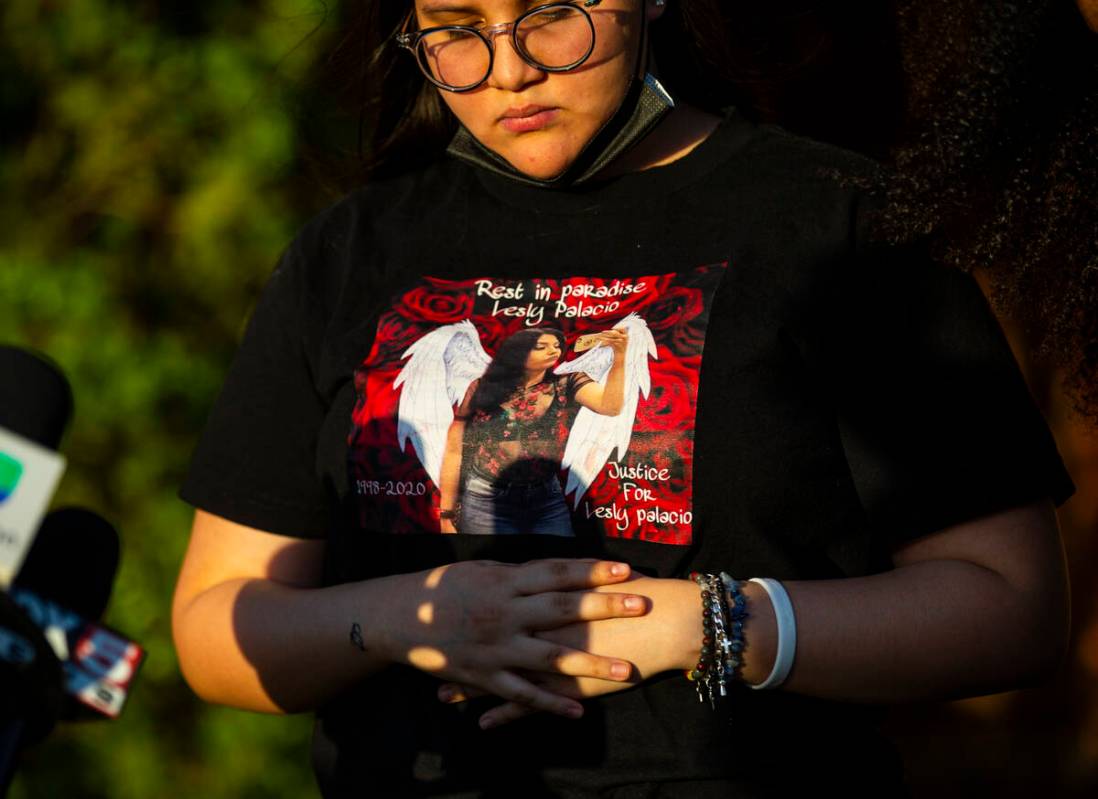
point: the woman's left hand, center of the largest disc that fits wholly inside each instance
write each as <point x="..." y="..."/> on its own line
<point x="666" y="638"/>
<point x="617" y="340"/>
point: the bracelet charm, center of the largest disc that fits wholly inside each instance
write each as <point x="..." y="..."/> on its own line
<point x="723" y="611"/>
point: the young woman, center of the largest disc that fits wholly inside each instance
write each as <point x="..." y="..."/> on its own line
<point x="818" y="413"/>
<point x="514" y="422"/>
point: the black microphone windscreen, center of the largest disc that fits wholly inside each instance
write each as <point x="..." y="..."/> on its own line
<point x="31" y="684"/>
<point x="73" y="561"/>
<point x="35" y="397"/>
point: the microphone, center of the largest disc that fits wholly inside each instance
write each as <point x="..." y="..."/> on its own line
<point x="35" y="397"/>
<point x="32" y="693"/>
<point x="35" y="406"/>
<point x="55" y="661"/>
<point x="73" y="561"/>
<point x="64" y="585"/>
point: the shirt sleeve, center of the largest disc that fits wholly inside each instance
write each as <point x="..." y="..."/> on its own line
<point x="256" y="462"/>
<point x="935" y="417"/>
<point x="576" y="381"/>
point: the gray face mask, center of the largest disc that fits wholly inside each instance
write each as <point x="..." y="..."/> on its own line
<point x="645" y="105"/>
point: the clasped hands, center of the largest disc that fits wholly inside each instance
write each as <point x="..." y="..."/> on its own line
<point x="544" y="634"/>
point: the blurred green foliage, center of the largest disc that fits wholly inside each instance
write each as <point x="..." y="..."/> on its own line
<point x="151" y="172"/>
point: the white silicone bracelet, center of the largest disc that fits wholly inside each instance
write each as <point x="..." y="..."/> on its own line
<point x="787" y="632"/>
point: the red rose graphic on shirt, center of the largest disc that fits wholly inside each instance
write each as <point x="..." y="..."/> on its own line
<point x="395" y="333"/>
<point x="639" y="487"/>
<point x="676" y="307"/>
<point x="674" y="392"/>
<point x="431" y="305"/>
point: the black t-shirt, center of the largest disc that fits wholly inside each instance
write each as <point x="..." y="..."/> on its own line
<point x="797" y="402"/>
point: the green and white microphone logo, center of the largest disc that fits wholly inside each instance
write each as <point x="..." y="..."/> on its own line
<point x="10" y="472"/>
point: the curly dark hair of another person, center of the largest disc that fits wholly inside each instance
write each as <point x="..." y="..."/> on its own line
<point x="507" y="371"/>
<point x="1000" y="167"/>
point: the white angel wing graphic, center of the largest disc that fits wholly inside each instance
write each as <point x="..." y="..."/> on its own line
<point x="594" y="436"/>
<point x="440" y="367"/>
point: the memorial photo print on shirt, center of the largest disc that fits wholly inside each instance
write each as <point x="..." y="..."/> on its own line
<point x="535" y="406"/>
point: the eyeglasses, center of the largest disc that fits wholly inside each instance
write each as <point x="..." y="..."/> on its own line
<point x="556" y="37"/>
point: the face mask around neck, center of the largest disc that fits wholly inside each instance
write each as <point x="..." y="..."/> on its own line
<point x="645" y="105"/>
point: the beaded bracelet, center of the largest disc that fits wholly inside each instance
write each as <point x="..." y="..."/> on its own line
<point x="737" y="613"/>
<point x="723" y="612"/>
<point x="710" y="674"/>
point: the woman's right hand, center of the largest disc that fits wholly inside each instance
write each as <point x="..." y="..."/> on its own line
<point x="474" y="623"/>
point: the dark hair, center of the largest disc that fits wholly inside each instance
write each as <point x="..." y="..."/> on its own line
<point x="827" y="70"/>
<point x="1000" y="166"/>
<point x="403" y="122"/>
<point x="508" y="367"/>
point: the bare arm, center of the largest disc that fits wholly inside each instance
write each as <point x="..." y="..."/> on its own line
<point x="241" y="597"/>
<point x="610" y="398"/>
<point x="253" y="630"/>
<point x="977" y="608"/>
<point x="973" y="609"/>
<point x="450" y="474"/>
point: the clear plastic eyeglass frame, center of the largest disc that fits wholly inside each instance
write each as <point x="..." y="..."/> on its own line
<point x="410" y="40"/>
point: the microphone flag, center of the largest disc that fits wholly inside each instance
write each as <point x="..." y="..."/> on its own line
<point x="29" y="474"/>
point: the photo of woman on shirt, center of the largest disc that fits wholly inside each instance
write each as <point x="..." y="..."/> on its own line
<point x="506" y="443"/>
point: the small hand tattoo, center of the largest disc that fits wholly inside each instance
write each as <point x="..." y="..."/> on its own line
<point x="356" y="636"/>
